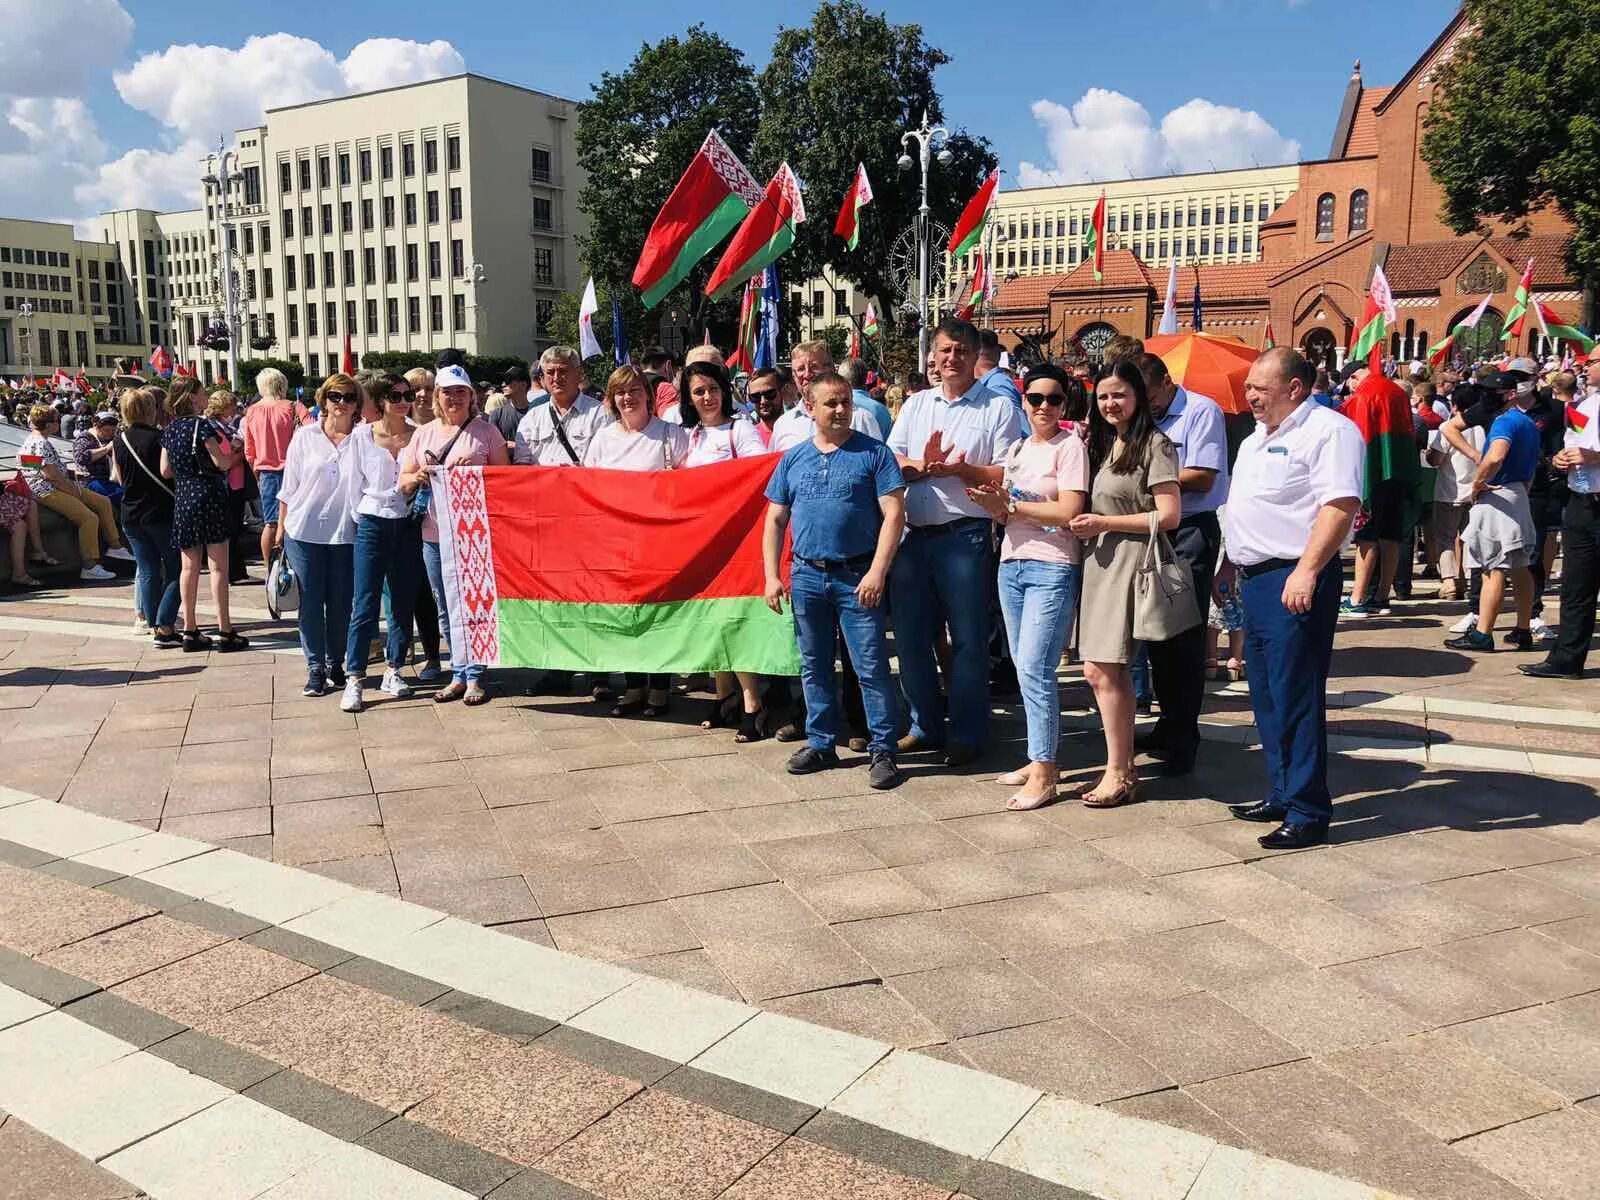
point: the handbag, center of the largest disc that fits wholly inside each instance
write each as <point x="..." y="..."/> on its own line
<point x="17" y="485"/>
<point x="1164" y="603"/>
<point x="283" y="587"/>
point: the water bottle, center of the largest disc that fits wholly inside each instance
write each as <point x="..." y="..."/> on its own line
<point x="1021" y="496"/>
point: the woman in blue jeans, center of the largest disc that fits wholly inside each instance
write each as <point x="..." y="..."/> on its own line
<point x="1046" y="485"/>
<point x="316" y="520"/>
<point x="147" y="513"/>
<point x="388" y="547"/>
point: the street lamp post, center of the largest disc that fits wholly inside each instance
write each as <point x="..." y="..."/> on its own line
<point x="925" y="139"/>
<point x="25" y="335"/>
<point x="222" y="171"/>
<point x="478" y="277"/>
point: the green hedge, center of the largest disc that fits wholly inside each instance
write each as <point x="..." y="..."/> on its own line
<point x="479" y="366"/>
<point x="251" y="367"/>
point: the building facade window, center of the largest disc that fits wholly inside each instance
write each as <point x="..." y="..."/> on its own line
<point x="408" y="159"/>
<point x="366" y="214"/>
<point x="369" y="265"/>
<point x="327" y="219"/>
<point x="364" y="158"/>
<point x="433" y="260"/>
<point x="285" y="177"/>
<point x="458" y="311"/>
<point x="411" y="262"/>
<point x="386" y="162"/>
<point x="413" y="315"/>
<point x="344" y="168"/>
<point x="391" y="316"/>
<point x="452" y="152"/>
<point x="372" y="317"/>
<point x="1358" y="211"/>
<point x="411" y="208"/>
<point x="347" y="217"/>
<point x="455" y="204"/>
<point x="541" y="164"/>
<point x="305" y="174"/>
<point x="542" y="218"/>
<point x="1325" y="217"/>
<point x="436" y="313"/>
<point x="433" y="207"/>
<point x="324" y="172"/>
<point x="430" y="155"/>
<point x="388" y="264"/>
<point x="458" y="259"/>
<point x="388" y="212"/>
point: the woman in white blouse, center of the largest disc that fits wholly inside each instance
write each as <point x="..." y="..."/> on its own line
<point x="317" y="527"/>
<point x="716" y="436"/>
<point x="388" y="545"/>
<point x="637" y="441"/>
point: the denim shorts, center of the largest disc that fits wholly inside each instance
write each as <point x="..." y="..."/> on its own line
<point x="268" y="483"/>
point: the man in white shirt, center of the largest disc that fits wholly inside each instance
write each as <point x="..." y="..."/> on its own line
<point x="1296" y="488"/>
<point x="795" y="428"/>
<point x="557" y="434"/>
<point x="947" y="439"/>
<point x="1194" y="425"/>
<point x="1579" y="457"/>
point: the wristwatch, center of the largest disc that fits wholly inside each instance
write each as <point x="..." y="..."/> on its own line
<point x="1011" y="506"/>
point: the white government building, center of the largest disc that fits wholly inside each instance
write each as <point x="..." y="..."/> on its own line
<point x="436" y="214"/>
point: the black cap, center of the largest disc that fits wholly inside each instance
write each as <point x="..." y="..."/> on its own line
<point x="1500" y="381"/>
<point x="516" y="373"/>
<point x="1350" y="368"/>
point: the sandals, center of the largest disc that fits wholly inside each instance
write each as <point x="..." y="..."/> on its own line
<point x="1022" y="802"/>
<point x="1235" y="670"/>
<point x="454" y="690"/>
<point x="26" y="581"/>
<point x="1012" y="779"/>
<point x="228" y="641"/>
<point x="1125" y="792"/>
<point x="720" y="715"/>
<point x="752" y="726"/>
<point x="475" y="695"/>
<point x="195" y="642"/>
<point x="44" y="560"/>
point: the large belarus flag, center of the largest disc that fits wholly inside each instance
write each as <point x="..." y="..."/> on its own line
<point x="715" y="193"/>
<point x="969" y="229"/>
<point x="578" y="569"/>
<point x="1380" y="409"/>
<point x="1555" y="328"/>
<point x="1517" y="318"/>
<point x="766" y="233"/>
<point x="1376" y="319"/>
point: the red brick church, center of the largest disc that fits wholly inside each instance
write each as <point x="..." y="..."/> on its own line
<point x="1370" y="202"/>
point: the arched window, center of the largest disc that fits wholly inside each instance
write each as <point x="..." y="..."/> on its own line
<point x="1325" y="217"/>
<point x="1358" y="211"/>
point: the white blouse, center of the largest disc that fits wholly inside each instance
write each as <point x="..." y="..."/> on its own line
<point x="317" y="488"/>
<point x="719" y="443"/>
<point x="375" y="477"/>
<point x="657" y="447"/>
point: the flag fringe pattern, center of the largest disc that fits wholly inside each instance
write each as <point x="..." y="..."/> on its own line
<point x="585" y="569"/>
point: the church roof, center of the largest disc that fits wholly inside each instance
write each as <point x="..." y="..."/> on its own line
<point x="1026" y="291"/>
<point x="1363" y="136"/>
<point x="1421" y="266"/>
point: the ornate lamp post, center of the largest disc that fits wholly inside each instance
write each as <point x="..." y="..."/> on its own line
<point x="25" y="335"/>
<point x="925" y="138"/>
<point x="222" y="173"/>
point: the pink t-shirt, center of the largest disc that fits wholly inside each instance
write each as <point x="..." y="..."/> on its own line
<point x="1044" y="471"/>
<point x="268" y="427"/>
<point x="480" y="444"/>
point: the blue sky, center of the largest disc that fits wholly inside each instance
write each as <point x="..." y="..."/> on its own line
<point x="1284" y="60"/>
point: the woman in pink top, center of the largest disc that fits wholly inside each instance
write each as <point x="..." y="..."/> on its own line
<point x="1046" y="485"/>
<point x="457" y="438"/>
<point x="268" y="426"/>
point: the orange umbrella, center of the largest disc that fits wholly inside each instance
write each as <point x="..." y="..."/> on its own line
<point x="1207" y="363"/>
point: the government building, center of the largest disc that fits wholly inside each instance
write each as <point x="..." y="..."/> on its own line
<point x="436" y="214"/>
<point x="1371" y="202"/>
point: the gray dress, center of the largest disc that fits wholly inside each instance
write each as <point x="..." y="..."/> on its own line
<point x="1110" y="562"/>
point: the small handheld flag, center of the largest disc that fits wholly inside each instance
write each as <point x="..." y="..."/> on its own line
<point x="848" y="226"/>
<point x="588" y="344"/>
<point x="1095" y="246"/>
<point x="1169" y="310"/>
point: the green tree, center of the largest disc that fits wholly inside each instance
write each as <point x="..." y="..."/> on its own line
<point x="563" y="329"/>
<point x="634" y="138"/>
<point x="251" y="367"/>
<point x="1516" y="124"/>
<point x="842" y="90"/>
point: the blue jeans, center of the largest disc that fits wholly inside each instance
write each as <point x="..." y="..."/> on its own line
<point x="1038" y="600"/>
<point x="820" y="600"/>
<point x="1139" y="668"/>
<point x="1289" y="655"/>
<point x="326" y="577"/>
<point x="942" y="577"/>
<point x="157" y="563"/>
<point x="460" y="672"/>
<point x="388" y="550"/>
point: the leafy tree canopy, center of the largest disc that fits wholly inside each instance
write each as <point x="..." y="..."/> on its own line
<point x="1517" y="122"/>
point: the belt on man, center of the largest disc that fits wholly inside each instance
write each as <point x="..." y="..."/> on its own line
<point x="1251" y="570"/>
<point x="950" y="526"/>
<point x="858" y="563"/>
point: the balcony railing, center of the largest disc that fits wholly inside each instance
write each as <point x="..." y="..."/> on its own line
<point x="543" y="178"/>
<point x="549" y="229"/>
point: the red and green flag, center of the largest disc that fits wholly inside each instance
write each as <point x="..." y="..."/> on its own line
<point x="1269" y="342"/>
<point x="1517" y="318"/>
<point x="1094" y="240"/>
<point x="869" y="322"/>
<point x="1382" y="412"/>
<point x="848" y="226"/>
<point x="579" y="569"/>
<point x="1554" y="327"/>
<point x="969" y="229"/>
<point x="714" y="195"/>
<point x="30" y="460"/>
<point x="1439" y="353"/>
<point x="1376" y="318"/>
<point x="976" y="290"/>
<point x="767" y="232"/>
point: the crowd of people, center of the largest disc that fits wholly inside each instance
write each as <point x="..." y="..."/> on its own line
<point x="991" y="524"/>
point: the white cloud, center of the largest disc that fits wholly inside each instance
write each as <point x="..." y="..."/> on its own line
<point x="1107" y="135"/>
<point x="54" y="47"/>
<point x="165" y="180"/>
<point x="201" y="91"/>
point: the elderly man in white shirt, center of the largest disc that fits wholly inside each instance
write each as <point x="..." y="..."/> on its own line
<point x="947" y="439"/>
<point x="557" y="434"/>
<point x="1296" y="488"/>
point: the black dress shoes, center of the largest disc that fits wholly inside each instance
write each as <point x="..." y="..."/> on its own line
<point x="1543" y="670"/>
<point x="1259" y="811"/>
<point x="1295" y="835"/>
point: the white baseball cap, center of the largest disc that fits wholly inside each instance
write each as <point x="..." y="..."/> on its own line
<point x="452" y="376"/>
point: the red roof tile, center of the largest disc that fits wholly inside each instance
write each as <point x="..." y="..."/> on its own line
<point x="1026" y="291"/>
<point x="1420" y="266"/>
<point x="1121" y="268"/>
<point x="1548" y="251"/>
<point x="1286" y="213"/>
<point x="1363" y="137"/>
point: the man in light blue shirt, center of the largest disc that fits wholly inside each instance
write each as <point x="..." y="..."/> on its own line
<point x="947" y="439"/>
<point x="995" y="377"/>
<point x="856" y="372"/>
<point x="1194" y="425"/>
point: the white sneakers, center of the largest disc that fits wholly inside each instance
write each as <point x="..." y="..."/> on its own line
<point x="96" y="574"/>
<point x="393" y="685"/>
<point x="1468" y="622"/>
<point x="1541" y="632"/>
<point x="351" y="703"/>
<point x="121" y="553"/>
<point x="139" y="625"/>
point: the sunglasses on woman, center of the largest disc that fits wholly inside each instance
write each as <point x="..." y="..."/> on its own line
<point x="341" y="397"/>
<point x="1037" y="399"/>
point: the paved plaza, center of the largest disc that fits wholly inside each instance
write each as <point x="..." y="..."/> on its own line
<point x="911" y="993"/>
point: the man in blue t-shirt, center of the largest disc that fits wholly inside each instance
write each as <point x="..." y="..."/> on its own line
<point x="1500" y="539"/>
<point x="842" y="497"/>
